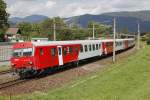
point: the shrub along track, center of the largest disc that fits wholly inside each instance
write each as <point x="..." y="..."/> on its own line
<point x="61" y="77"/>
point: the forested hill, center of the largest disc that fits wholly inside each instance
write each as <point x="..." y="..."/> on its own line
<point x="126" y="21"/>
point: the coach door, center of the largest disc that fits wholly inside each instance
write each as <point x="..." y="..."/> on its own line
<point x="60" y="57"/>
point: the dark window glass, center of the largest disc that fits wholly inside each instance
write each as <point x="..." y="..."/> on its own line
<point x="93" y="47"/>
<point x="81" y="48"/>
<point x="27" y="53"/>
<point x="59" y="50"/>
<point x="96" y="46"/>
<point x="65" y="50"/>
<point x="16" y="54"/>
<point x="41" y="51"/>
<point x="85" y="47"/>
<point x="70" y="49"/>
<point x="76" y="50"/>
<point x="53" y="51"/>
<point x="90" y="47"/>
<point x="99" y="46"/>
<point x="22" y="52"/>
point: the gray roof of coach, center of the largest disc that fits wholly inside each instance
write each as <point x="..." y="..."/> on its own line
<point x="43" y="43"/>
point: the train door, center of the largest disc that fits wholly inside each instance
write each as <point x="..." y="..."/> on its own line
<point x="60" y="57"/>
<point x="104" y="49"/>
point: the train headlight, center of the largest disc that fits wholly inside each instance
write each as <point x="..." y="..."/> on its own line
<point x="30" y="63"/>
<point x="12" y="64"/>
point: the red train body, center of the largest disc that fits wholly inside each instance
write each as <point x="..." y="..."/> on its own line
<point x="36" y="56"/>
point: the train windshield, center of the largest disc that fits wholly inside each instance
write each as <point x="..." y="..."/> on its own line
<point x="22" y="52"/>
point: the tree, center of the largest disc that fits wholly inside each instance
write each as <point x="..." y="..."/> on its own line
<point x="3" y="19"/>
<point x="47" y="28"/>
<point x="26" y="29"/>
<point x="100" y="29"/>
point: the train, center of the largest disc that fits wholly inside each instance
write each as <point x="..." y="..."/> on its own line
<point x="30" y="58"/>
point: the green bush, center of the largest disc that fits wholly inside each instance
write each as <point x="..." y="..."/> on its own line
<point x="1" y="36"/>
<point x="148" y="38"/>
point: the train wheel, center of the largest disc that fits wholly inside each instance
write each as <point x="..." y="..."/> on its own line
<point x="27" y="74"/>
<point x="75" y="64"/>
<point x="22" y="75"/>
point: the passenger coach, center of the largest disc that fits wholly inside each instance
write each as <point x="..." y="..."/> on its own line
<point x="30" y="58"/>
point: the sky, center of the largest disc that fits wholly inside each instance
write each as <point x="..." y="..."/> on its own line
<point x="68" y="8"/>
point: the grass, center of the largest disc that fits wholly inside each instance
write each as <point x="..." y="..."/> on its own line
<point x="4" y="67"/>
<point x="125" y="80"/>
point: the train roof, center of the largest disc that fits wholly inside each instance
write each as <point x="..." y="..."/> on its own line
<point x="44" y="43"/>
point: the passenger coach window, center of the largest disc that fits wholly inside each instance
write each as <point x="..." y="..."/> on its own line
<point x="90" y="48"/>
<point x="53" y="51"/>
<point x="41" y="51"/>
<point x="93" y="47"/>
<point x="76" y="50"/>
<point x="70" y="49"/>
<point x="99" y="46"/>
<point x="65" y="51"/>
<point x="59" y="49"/>
<point x="86" y="49"/>
<point x="81" y="48"/>
<point x="96" y="46"/>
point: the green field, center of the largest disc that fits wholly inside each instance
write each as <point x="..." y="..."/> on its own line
<point x="125" y="80"/>
<point x="4" y="67"/>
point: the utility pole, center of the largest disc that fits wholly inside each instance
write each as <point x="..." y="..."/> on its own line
<point x="54" y="30"/>
<point x="138" y="37"/>
<point x="93" y="30"/>
<point x="114" y="42"/>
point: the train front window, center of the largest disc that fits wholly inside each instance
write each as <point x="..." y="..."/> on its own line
<point x="22" y="52"/>
<point x="17" y="53"/>
<point x="27" y="52"/>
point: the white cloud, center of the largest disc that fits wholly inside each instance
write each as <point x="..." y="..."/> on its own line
<point x="50" y="4"/>
<point x="25" y="7"/>
<point x="67" y="8"/>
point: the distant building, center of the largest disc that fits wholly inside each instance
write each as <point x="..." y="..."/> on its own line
<point x="12" y="34"/>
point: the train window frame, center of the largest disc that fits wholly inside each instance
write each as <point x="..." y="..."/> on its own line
<point x="53" y="51"/>
<point x="96" y="46"/>
<point x="41" y="51"/>
<point x="17" y="53"/>
<point x="99" y="46"/>
<point x="90" y="47"/>
<point x="70" y="49"/>
<point x="93" y="46"/>
<point x="59" y="51"/>
<point x="27" y="54"/>
<point x="86" y="48"/>
<point x="76" y="49"/>
<point x="64" y="50"/>
<point x="81" y="48"/>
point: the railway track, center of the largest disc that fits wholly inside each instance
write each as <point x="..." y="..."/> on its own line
<point x="11" y="83"/>
<point x="5" y="72"/>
